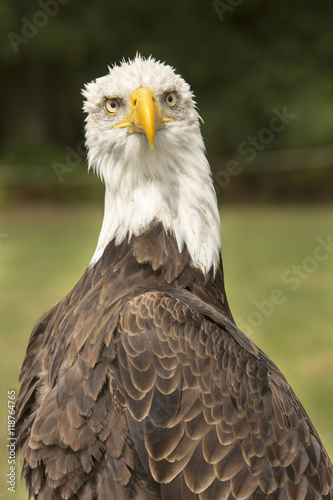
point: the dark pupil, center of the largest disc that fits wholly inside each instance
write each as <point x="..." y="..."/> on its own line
<point x="113" y="104"/>
<point x="170" y="98"/>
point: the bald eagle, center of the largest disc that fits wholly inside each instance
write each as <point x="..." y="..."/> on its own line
<point x="138" y="384"/>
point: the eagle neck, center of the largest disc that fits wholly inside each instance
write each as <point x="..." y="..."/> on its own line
<point x="177" y="194"/>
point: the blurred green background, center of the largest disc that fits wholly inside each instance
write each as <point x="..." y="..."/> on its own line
<point x="245" y="60"/>
<point x="262" y="73"/>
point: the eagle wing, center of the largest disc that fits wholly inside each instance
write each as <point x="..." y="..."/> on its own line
<point x="210" y="414"/>
<point x="162" y="397"/>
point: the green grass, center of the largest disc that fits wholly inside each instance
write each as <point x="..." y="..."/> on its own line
<point x="44" y="250"/>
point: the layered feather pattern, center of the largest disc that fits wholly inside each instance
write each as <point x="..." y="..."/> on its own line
<point x="138" y="387"/>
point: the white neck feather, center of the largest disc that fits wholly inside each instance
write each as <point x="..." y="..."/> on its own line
<point x="173" y="187"/>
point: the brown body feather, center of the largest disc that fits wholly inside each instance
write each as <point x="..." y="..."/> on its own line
<point x="138" y="385"/>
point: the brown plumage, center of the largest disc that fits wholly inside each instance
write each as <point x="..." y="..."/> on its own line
<point x="138" y="385"/>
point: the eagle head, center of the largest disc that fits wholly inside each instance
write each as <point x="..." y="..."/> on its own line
<point x="143" y="140"/>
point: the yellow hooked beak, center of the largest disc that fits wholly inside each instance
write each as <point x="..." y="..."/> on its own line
<point x="145" y="116"/>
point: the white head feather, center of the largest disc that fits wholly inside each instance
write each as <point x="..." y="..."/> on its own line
<point x="170" y="183"/>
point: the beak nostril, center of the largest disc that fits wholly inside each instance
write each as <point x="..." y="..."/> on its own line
<point x="135" y="101"/>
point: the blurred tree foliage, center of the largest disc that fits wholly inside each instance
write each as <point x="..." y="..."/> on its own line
<point x="243" y="58"/>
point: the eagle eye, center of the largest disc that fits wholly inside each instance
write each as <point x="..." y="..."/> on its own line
<point x="111" y="105"/>
<point x="171" y="99"/>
